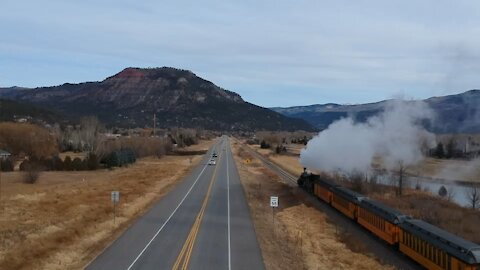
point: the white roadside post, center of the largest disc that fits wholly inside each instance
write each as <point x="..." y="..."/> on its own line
<point x="273" y="205"/>
<point x="115" y="196"/>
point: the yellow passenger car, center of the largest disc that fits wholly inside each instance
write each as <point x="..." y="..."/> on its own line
<point x="322" y="189"/>
<point x="346" y="201"/>
<point x="437" y="249"/>
<point x="380" y="219"/>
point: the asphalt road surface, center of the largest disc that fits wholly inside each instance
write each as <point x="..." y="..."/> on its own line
<point x="203" y="223"/>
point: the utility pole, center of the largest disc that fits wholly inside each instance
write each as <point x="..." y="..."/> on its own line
<point x="154" y="123"/>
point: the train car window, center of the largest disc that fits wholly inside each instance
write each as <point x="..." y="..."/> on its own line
<point x="419" y="246"/>
<point x="445" y="261"/>
<point x="441" y="259"/>
<point x="424" y="248"/>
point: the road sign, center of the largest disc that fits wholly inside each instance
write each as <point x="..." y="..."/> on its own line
<point x="115" y="196"/>
<point x="273" y="201"/>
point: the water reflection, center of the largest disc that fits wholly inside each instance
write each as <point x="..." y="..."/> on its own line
<point x="459" y="192"/>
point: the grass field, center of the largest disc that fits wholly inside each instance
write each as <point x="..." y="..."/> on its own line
<point x="303" y="238"/>
<point x="290" y="163"/>
<point x="66" y="218"/>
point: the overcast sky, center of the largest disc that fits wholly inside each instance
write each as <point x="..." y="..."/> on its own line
<point x="273" y="53"/>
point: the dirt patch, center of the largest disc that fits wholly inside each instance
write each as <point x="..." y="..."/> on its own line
<point x="65" y="219"/>
<point x="303" y="238"/>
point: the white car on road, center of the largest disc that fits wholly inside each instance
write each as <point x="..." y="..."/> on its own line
<point x="212" y="162"/>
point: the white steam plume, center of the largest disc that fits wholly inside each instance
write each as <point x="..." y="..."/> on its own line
<point x="396" y="135"/>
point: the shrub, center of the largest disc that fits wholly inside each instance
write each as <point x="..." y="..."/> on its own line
<point x="141" y="146"/>
<point x="264" y="145"/>
<point x="57" y="164"/>
<point x="32" y="173"/>
<point x="91" y="162"/>
<point x="67" y="163"/>
<point x="119" y="158"/>
<point x="280" y="149"/>
<point x="442" y="192"/>
<point x="24" y="165"/>
<point x="6" y="165"/>
<point x="77" y="164"/>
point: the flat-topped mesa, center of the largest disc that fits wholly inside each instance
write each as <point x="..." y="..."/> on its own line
<point x="177" y="96"/>
<point x="129" y="73"/>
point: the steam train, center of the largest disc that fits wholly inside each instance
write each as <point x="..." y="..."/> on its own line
<point x="430" y="246"/>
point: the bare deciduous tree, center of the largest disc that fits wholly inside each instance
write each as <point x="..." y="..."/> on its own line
<point x="28" y="139"/>
<point x="32" y="174"/>
<point x="89" y="132"/>
<point x="401" y="177"/>
<point x="450" y="193"/>
<point x="473" y="196"/>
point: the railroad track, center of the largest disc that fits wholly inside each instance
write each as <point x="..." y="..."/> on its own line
<point x="383" y="252"/>
<point x="287" y="177"/>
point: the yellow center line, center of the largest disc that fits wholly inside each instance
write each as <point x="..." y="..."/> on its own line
<point x="186" y="251"/>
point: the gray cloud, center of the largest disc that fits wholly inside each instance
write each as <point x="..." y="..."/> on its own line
<point x="271" y="52"/>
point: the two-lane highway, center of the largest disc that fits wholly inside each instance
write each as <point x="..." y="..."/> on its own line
<point x="203" y="223"/>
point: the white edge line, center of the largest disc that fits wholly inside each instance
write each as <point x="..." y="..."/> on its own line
<point x="228" y="211"/>
<point x="168" y="219"/>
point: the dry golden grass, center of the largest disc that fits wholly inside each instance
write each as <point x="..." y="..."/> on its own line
<point x="289" y="163"/>
<point x="65" y="219"/>
<point x="72" y="155"/>
<point x="303" y="239"/>
<point x="295" y="148"/>
<point x="448" y="168"/>
<point x="202" y="145"/>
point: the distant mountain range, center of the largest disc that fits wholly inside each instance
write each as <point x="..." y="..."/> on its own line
<point x="179" y="98"/>
<point x="454" y="113"/>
